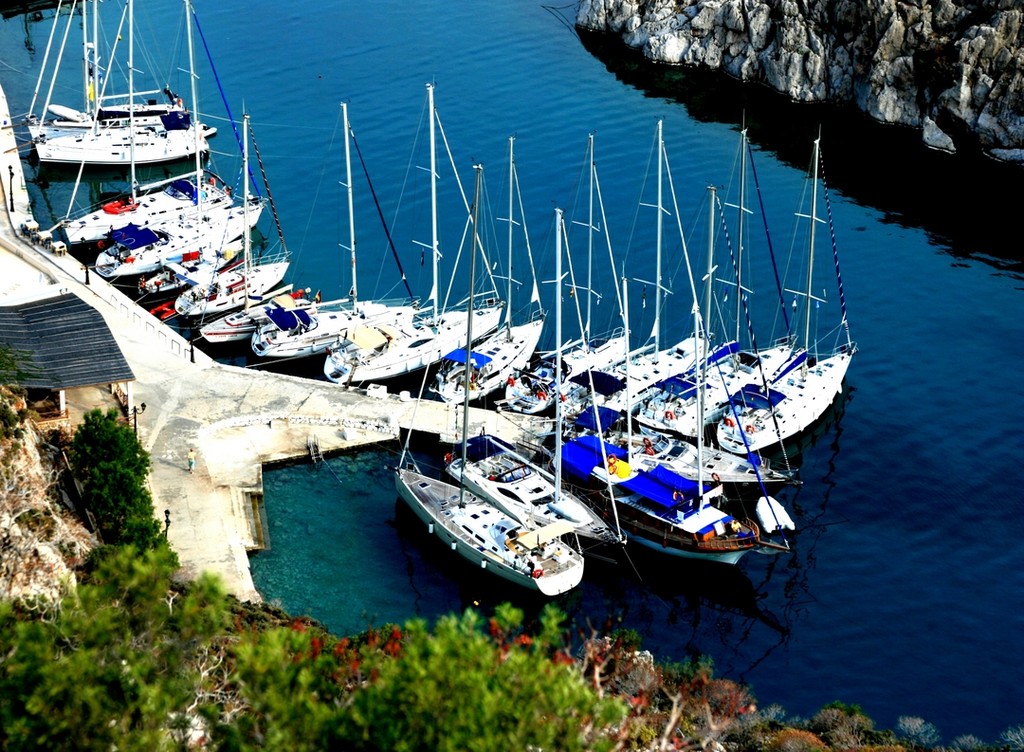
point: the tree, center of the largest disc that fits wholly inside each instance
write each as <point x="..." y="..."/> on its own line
<point x="114" y="665"/>
<point x="113" y="466"/>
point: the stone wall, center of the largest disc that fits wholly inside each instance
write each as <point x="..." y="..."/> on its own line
<point x="952" y="68"/>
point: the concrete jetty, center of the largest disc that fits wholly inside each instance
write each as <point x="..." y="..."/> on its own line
<point x="236" y="419"/>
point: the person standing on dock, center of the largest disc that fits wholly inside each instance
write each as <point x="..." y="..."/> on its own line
<point x="191" y="460"/>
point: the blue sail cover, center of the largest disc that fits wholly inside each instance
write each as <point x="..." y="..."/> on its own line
<point x="133" y="236"/>
<point x="659" y="486"/>
<point x="185" y="188"/>
<point x="176" y="120"/>
<point x="481" y="447"/>
<point x="459" y="356"/>
<point x="590" y="417"/>
<point x="795" y="362"/>
<point x="751" y="395"/>
<point x="604" y="383"/>
<point x="724" y="351"/>
<point x="581" y="455"/>
<point x="678" y="386"/>
<point x="287" y="320"/>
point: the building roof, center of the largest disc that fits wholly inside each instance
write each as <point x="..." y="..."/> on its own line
<point x="67" y="342"/>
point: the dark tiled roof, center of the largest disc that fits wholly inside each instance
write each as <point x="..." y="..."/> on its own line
<point x="67" y="341"/>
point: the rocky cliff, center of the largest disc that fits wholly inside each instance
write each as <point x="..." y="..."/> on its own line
<point x="952" y="68"/>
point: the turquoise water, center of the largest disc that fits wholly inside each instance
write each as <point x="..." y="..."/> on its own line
<point x="903" y="591"/>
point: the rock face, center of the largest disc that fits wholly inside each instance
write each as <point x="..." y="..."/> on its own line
<point x="952" y="68"/>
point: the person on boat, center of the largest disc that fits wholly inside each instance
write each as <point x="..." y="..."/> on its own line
<point x="648" y="446"/>
<point x="613" y="464"/>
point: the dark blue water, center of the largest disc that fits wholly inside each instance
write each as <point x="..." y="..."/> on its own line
<point x="904" y="589"/>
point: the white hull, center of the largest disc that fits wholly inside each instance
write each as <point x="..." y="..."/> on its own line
<point x="230" y="289"/>
<point x="167" y="209"/>
<point x="552" y="571"/>
<point x="421" y="344"/>
<point x="116" y="147"/>
<point x="329" y="324"/>
<point x="666" y="412"/>
<point x="508" y="351"/>
<point x="808" y="397"/>
<point x="241" y="325"/>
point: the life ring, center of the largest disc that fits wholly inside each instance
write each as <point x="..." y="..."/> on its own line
<point x="213" y="181"/>
<point x="670" y="415"/>
<point x="180" y="103"/>
<point x="542" y="395"/>
<point x="101" y="244"/>
<point x="511" y="381"/>
<point x="749" y="428"/>
<point x="537" y="574"/>
<point x="730" y="422"/>
<point x="448" y="458"/>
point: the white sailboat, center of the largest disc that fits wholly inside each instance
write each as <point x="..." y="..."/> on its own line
<point x="500" y="473"/>
<point x="502" y="355"/>
<point x="484" y="535"/>
<point x="764" y="415"/>
<point x="310" y="331"/>
<point x="240" y="325"/>
<point x="231" y="288"/>
<point x="670" y="405"/>
<point x="410" y="344"/>
<point x="131" y="132"/>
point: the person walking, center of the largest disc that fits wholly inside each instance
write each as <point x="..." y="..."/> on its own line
<point x="191" y="460"/>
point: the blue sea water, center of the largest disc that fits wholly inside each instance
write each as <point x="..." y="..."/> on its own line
<point x="903" y="592"/>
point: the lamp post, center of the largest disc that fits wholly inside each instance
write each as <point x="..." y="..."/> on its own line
<point x="135" y="415"/>
<point x="10" y="191"/>
<point x="86" y="267"/>
<point x="167" y="521"/>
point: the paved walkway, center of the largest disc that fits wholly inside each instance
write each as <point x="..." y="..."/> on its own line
<point x="236" y="419"/>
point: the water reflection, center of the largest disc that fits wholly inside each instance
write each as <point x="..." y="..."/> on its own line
<point x="883" y="167"/>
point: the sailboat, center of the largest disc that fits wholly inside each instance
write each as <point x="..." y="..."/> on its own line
<point x="660" y="508"/>
<point x="762" y="416"/>
<point x="240" y="325"/>
<point x="504" y="475"/>
<point x="129" y="132"/>
<point x="371" y="354"/>
<point x="231" y="288"/>
<point x="482" y="534"/>
<point x="670" y="404"/>
<point x="305" y="331"/>
<point x="508" y="351"/>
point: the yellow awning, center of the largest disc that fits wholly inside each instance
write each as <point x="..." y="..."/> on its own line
<point x="546" y="534"/>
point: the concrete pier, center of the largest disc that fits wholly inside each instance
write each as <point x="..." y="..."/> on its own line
<point x="235" y="419"/>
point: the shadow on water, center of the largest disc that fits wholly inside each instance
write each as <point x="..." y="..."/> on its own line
<point x="884" y="167"/>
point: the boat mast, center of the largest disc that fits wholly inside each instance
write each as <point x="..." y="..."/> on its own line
<point x="351" y="206"/>
<point x="193" y="93"/>
<point x="247" y="233"/>
<point x="810" y="249"/>
<point x="740" y="224"/>
<point x="131" y="92"/>
<point x="657" y="273"/>
<point x="712" y="199"/>
<point x="511" y="188"/>
<point x="590" y="242"/>
<point x="434" y="244"/>
<point x="467" y="371"/>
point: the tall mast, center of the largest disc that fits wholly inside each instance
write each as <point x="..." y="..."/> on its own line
<point x="712" y="199"/>
<point x="193" y="93"/>
<point x="467" y="371"/>
<point x="511" y="188"/>
<point x="131" y="89"/>
<point x="810" y="248"/>
<point x="657" y="277"/>
<point x="351" y="206"/>
<point x="247" y="233"/>
<point x="740" y="223"/>
<point x="559" y="227"/>
<point x="434" y="244"/>
<point x="590" y="242"/>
